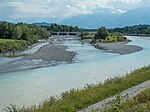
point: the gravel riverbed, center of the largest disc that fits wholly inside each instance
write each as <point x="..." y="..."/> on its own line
<point x="118" y="47"/>
<point x="56" y="53"/>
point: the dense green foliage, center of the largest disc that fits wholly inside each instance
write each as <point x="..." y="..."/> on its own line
<point x="114" y="37"/>
<point x="86" y="35"/>
<point x="10" y="45"/>
<point x="78" y="99"/>
<point x="61" y="28"/>
<point x="133" y="30"/>
<point x="23" y="32"/>
<point x="103" y="35"/>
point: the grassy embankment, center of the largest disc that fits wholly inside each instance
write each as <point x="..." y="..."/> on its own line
<point x="140" y="103"/>
<point x="7" y="45"/>
<point x="17" y="37"/>
<point x="78" y="99"/>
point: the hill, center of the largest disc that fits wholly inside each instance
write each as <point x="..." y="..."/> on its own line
<point x="139" y="15"/>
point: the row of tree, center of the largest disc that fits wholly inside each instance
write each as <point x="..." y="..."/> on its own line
<point x="17" y="37"/>
<point x="22" y="31"/>
<point x="103" y="35"/>
<point x="133" y="30"/>
<point x="61" y="28"/>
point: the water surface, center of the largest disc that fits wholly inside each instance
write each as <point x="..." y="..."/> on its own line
<point x="92" y="66"/>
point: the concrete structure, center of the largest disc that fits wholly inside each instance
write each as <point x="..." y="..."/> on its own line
<point x="66" y="33"/>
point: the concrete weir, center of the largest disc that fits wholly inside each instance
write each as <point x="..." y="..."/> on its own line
<point x="66" y="33"/>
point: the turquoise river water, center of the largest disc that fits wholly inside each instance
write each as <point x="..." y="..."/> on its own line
<point x="91" y="65"/>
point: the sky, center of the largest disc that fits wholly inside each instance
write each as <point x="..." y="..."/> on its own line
<point x="56" y="10"/>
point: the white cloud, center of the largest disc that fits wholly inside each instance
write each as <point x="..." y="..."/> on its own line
<point x="42" y="10"/>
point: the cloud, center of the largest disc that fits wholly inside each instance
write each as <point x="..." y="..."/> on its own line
<point x="56" y="10"/>
<point x="125" y="5"/>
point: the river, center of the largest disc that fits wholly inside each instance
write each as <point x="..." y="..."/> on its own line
<point x="91" y="65"/>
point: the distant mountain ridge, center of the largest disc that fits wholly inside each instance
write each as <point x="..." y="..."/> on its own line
<point x="132" y="17"/>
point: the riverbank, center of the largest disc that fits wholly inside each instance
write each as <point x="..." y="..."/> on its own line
<point x="135" y="99"/>
<point x="54" y="53"/>
<point x="77" y="99"/>
<point x="124" y="96"/>
<point x="9" y="47"/>
<point x="118" y="47"/>
<point x="46" y="53"/>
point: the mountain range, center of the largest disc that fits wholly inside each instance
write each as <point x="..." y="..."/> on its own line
<point x="139" y="15"/>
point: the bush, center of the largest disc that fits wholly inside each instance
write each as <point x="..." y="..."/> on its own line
<point x="9" y="45"/>
<point x="102" y="33"/>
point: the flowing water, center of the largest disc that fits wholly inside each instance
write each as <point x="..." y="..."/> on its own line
<point x="92" y="66"/>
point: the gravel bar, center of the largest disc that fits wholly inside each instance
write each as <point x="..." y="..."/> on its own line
<point x="118" y="47"/>
<point x="56" y="53"/>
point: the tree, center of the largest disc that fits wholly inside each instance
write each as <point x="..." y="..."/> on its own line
<point x="102" y="33"/>
<point x="17" y="33"/>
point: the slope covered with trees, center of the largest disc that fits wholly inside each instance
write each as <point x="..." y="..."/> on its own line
<point x="16" y="37"/>
<point x="133" y="30"/>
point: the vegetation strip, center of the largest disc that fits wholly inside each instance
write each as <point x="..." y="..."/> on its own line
<point x="17" y="37"/>
<point x="136" y="30"/>
<point x="78" y="99"/>
<point x="127" y="94"/>
<point x="139" y="103"/>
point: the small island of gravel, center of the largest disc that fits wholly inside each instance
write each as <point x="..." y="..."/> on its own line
<point x="118" y="47"/>
<point x="110" y="42"/>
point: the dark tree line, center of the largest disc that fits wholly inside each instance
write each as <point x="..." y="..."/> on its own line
<point x="22" y="31"/>
<point x="17" y="37"/>
<point x="133" y="30"/>
<point x="102" y="33"/>
<point x="61" y="28"/>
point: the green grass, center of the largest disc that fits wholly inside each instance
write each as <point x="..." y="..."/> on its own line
<point x="77" y="99"/>
<point x="87" y="36"/>
<point x="8" y="45"/>
<point x="115" y="38"/>
<point x="2" y="41"/>
<point x="112" y="38"/>
<point x="140" y="103"/>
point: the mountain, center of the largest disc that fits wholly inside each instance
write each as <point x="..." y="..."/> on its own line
<point x="93" y="20"/>
<point x="136" y="16"/>
<point x="42" y="24"/>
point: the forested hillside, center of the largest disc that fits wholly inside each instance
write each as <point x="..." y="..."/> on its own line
<point x="133" y="30"/>
<point x="16" y="37"/>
